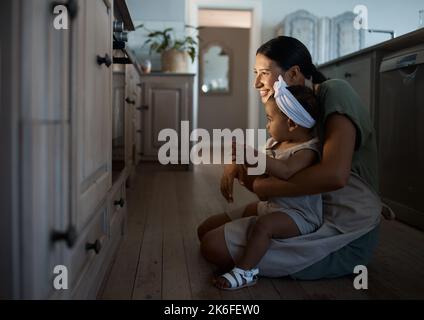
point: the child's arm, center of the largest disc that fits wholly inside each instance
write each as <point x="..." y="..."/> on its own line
<point x="284" y="169"/>
<point x="248" y="180"/>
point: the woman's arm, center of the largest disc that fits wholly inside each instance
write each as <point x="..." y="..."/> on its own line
<point x="330" y="174"/>
<point x="285" y="169"/>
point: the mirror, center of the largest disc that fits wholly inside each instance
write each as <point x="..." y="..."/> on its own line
<point x="215" y="70"/>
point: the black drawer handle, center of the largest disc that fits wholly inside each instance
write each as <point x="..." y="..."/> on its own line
<point x="69" y="236"/>
<point x="143" y="107"/>
<point x="104" y="60"/>
<point x="96" y="246"/>
<point x="129" y="101"/>
<point x="120" y="202"/>
<point x="348" y="75"/>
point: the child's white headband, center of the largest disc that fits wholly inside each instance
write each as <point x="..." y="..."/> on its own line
<point x="289" y="105"/>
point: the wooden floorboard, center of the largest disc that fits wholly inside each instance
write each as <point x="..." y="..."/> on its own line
<point x="190" y="204"/>
<point x="148" y="281"/>
<point x="160" y="258"/>
<point x="119" y="283"/>
<point x="175" y="278"/>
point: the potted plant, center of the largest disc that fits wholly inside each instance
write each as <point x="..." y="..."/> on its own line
<point x="173" y="50"/>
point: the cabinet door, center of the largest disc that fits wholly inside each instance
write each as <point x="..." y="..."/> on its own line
<point x="330" y="72"/>
<point x="137" y="123"/>
<point x="167" y="105"/>
<point x="35" y="83"/>
<point x="93" y="107"/>
<point x="358" y="73"/>
<point x="130" y="102"/>
<point x="401" y="142"/>
<point x="118" y="134"/>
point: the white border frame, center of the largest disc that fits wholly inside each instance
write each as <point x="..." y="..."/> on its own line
<point x="255" y="6"/>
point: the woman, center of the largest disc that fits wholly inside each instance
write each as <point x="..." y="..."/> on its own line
<point x="346" y="176"/>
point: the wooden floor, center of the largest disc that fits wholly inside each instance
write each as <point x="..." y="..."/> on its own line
<point x="159" y="257"/>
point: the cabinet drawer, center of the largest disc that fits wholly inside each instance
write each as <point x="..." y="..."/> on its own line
<point x="90" y="245"/>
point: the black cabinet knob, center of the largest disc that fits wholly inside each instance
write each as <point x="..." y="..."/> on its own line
<point x="348" y="75"/>
<point x="129" y="101"/>
<point x="104" y="60"/>
<point x="120" y="202"/>
<point x="96" y="246"/>
<point x="69" y="236"/>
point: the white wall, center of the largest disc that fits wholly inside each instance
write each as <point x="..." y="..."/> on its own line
<point x="400" y="15"/>
<point x="155" y="15"/>
<point x="157" y="10"/>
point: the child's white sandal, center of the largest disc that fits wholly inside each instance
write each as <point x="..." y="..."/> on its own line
<point x="239" y="278"/>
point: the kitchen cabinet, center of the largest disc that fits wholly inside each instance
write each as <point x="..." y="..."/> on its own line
<point x="167" y="99"/>
<point x="389" y="79"/>
<point x="60" y="205"/>
<point x="402" y="134"/>
<point x="126" y="102"/>
<point x="360" y="73"/>
<point x="35" y="161"/>
<point x="92" y="147"/>
<point x="133" y="102"/>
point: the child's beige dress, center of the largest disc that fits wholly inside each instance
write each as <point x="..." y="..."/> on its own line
<point x="306" y="211"/>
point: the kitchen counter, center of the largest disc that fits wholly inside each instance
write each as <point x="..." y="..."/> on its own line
<point x="405" y="41"/>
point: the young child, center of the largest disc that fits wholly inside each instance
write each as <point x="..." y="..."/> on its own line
<point x="291" y="115"/>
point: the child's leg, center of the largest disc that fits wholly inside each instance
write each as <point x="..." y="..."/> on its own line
<point x="272" y="225"/>
<point x="276" y="225"/>
<point x="218" y="220"/>
<point x="212" y="223"/>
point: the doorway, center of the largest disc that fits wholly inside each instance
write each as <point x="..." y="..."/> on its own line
<point x="224" y="69"/>
<point x="255" y="8"/>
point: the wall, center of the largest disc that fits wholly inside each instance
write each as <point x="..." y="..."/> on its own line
<point x="157" y="10"/>
<point x="227" y="110"/>
<point x="155" y="15"/>
<point x="401" y="16"/>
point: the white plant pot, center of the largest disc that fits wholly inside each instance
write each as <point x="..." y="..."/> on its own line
<point x="174" y="61"/>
